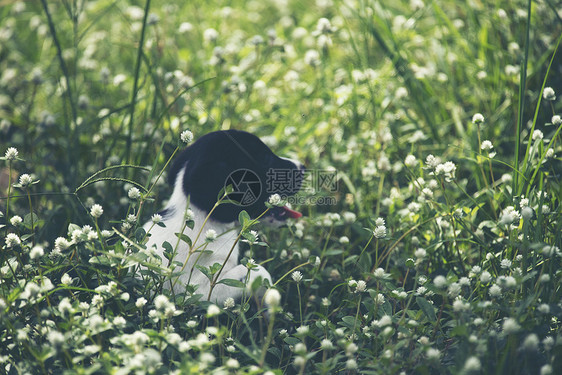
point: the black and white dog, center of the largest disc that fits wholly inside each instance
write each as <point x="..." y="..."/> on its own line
<point x="198" y="175"/>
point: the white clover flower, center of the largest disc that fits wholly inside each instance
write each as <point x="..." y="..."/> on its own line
<point x="232" y="363"/>
<point x="420" y="253"/>
<point x="486" y="145"/>
<point x="312" y="58"/>
<point x="485" y="277"/>
<point x="454" y="289"/>
<point x="510" y="326"/>
<point x="379" y="299"/>
<point x="509" y="215"/>
<point x="433" y="354"/>
<point x="349" y="217"/>
<point x="411" y="161"/>
<point x="272" y="298"/>
<point x="556" y="120"/>
<point x="427" y="193"/>
<point x="446" y="169"/>
<point x="213" y="310"/>
<point x="510" y="282"/>
<point x="531" y="342"/>
<point x="544" y="278"/>
<point x="12" y="240"/>
<point x="324" y="26"/>
<point x="185" y="27"/>
<point x="56" y="338"/>
<point x="326" y="302"/>
<point x="351" y="364"/>
<point x="189" y="215"/>
<point x="344" y="240"/>
<point x="472" y="364"/>
<point x="275" y="200"/>
<point x="229" y="303"/>
<point x="210" y="235"/>
<point x="96" y="211"/>
<point x="66" y="279"/>
<point x="26" y="180"/>
<point x="351" y="349"/>
<point x="537" y="135"/>
<point x="505" y="263"/>
<point x="478" y="118"/>
<point x="440" y="281"/>
<point x="210" y="35"/>
<point x="251" y="264"/>
<point x="380" y="274"/>
<point x="380" y="231"/>
<point x="297" y="276"/>
<point x="383" y="163"/>
<point x="361" y="286"/>
<point x="11" y="153"/>
<point x="495" y="291"/>
<point x="544" y="308"/>
<point x="460" y="305"/>
<point x="384" y="321"/>
<point x="380" y="222"/>
<point x="546" y="369"/>
<point x="302" y="330"/>
<point x="16" y="220"/>
<point x="299" y="361"/>
<point x="161" y="302"/>
<point x="36" y="252"/>
<point x="62" y="243"/>
<point x="156" y="218"/>
<point x="326" y="344"/>
<point x="186" y="136"/>
<point x="548" y="342"/>
<point x="134" y="193"/>
<point x="300" y="348"/>
<point x="549" y="94"/>
<point x="549" y="153"/>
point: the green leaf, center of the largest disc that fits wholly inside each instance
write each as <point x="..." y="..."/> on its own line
<point x="205" y="271"/>
<point x="223" y="193"/>
<point x="365" y="262"/>
<point x="459" y="331"/>
<point x="243" y="218"/>
<point x="190" y="224"/>
<point x="167" y="247"/>
<point x="140" y="233"/>
<point x="215" y="268"/>
<point x="349" y="321"/>
<point x="427" y="308"/>
<point x="291" y="340"/>
<point x="333" y="252"/>
<point x="184" y="238"/>
<point x="232" y="282"/>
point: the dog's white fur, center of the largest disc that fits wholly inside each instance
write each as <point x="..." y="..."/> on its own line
<point x="227" y="234"/>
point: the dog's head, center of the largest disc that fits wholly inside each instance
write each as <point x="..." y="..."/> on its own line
<point x="242" y="161"/>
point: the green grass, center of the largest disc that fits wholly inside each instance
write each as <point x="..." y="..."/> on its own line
<point x="462" y="275"/>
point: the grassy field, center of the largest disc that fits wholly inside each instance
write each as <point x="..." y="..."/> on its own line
<point x="435" y="251"/>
